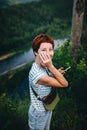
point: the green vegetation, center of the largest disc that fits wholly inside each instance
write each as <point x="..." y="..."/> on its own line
<point x="14" y="100"/>
<point x="70" y="113"/>
<point x="8" y="83"/>
<point x="12" y="115"/>
<point x="18" y="25"/>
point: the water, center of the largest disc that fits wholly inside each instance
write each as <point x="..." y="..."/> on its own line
<point x="16" y="61"/>
<point x="21" y="59"/>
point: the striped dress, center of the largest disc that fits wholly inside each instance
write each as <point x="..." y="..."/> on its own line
<point x="35" y="74"/>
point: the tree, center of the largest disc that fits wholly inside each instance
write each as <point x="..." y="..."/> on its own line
<point x="77" y="23"/>
<point x="4" y="3"/>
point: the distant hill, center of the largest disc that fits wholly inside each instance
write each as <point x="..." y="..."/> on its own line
<point x="21" y="22"/>
<point x="6" y="3"/>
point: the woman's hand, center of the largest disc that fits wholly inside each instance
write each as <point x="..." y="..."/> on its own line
<point x="45" y="59"/>
<point x="61" y="70"/>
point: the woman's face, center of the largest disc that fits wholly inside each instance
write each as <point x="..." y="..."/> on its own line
<point x="47" y="48"/>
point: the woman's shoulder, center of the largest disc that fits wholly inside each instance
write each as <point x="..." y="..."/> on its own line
<point x="36" y="73"/>
<point x="36" y="68"/>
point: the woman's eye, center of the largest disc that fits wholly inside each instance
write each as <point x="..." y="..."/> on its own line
<point x="43" y="50"/>
<point x="51" y="49"/>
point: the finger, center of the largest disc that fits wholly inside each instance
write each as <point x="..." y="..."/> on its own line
<point x="61" y="68"/>
<point x="41" y="57"/>
<point x="45" y="56"/>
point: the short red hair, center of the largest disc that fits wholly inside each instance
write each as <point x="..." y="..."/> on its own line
<point x="40" y="39"/>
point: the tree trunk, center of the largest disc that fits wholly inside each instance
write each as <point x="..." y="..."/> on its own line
<point x="77" y="23"/>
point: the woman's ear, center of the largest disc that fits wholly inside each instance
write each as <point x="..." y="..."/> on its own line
<point x="35" y="53"/>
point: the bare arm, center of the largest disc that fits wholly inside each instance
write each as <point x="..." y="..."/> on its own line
<point x="58" y="80"/>
<point x="58" y="76"/>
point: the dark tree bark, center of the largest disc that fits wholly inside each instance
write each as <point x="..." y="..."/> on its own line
<point x="77" y="24"/>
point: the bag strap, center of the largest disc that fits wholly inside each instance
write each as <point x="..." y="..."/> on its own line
<point x="37" y="96"/>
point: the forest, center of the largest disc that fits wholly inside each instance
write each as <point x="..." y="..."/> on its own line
<point x="19" y="24"/>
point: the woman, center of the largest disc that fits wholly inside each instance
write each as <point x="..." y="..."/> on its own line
<point x="42" y="77"/>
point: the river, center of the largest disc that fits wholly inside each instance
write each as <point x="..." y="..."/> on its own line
<point x="22" y="59"/>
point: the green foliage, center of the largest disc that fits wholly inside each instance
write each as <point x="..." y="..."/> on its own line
<point x="71" y="113"/>
<point x="8" y="83"/>
<point x="65" y="116"/>
<point x="20" y="23"/>
<point x="79" y="85"/>
<point x="13" y="106"/>
<point x="12" y="115"/>
<point x="62" y="56"/>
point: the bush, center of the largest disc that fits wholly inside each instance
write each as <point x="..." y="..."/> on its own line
<point x="71" y="112"/>
<point x="12" y="115"/>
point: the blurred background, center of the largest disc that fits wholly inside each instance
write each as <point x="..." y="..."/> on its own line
<point x="20" y="22"/>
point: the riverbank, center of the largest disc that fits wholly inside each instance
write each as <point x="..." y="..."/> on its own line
<point x="20" y="58"/>
<point x="3" y="57"/>
<point x="12" y="53"/>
